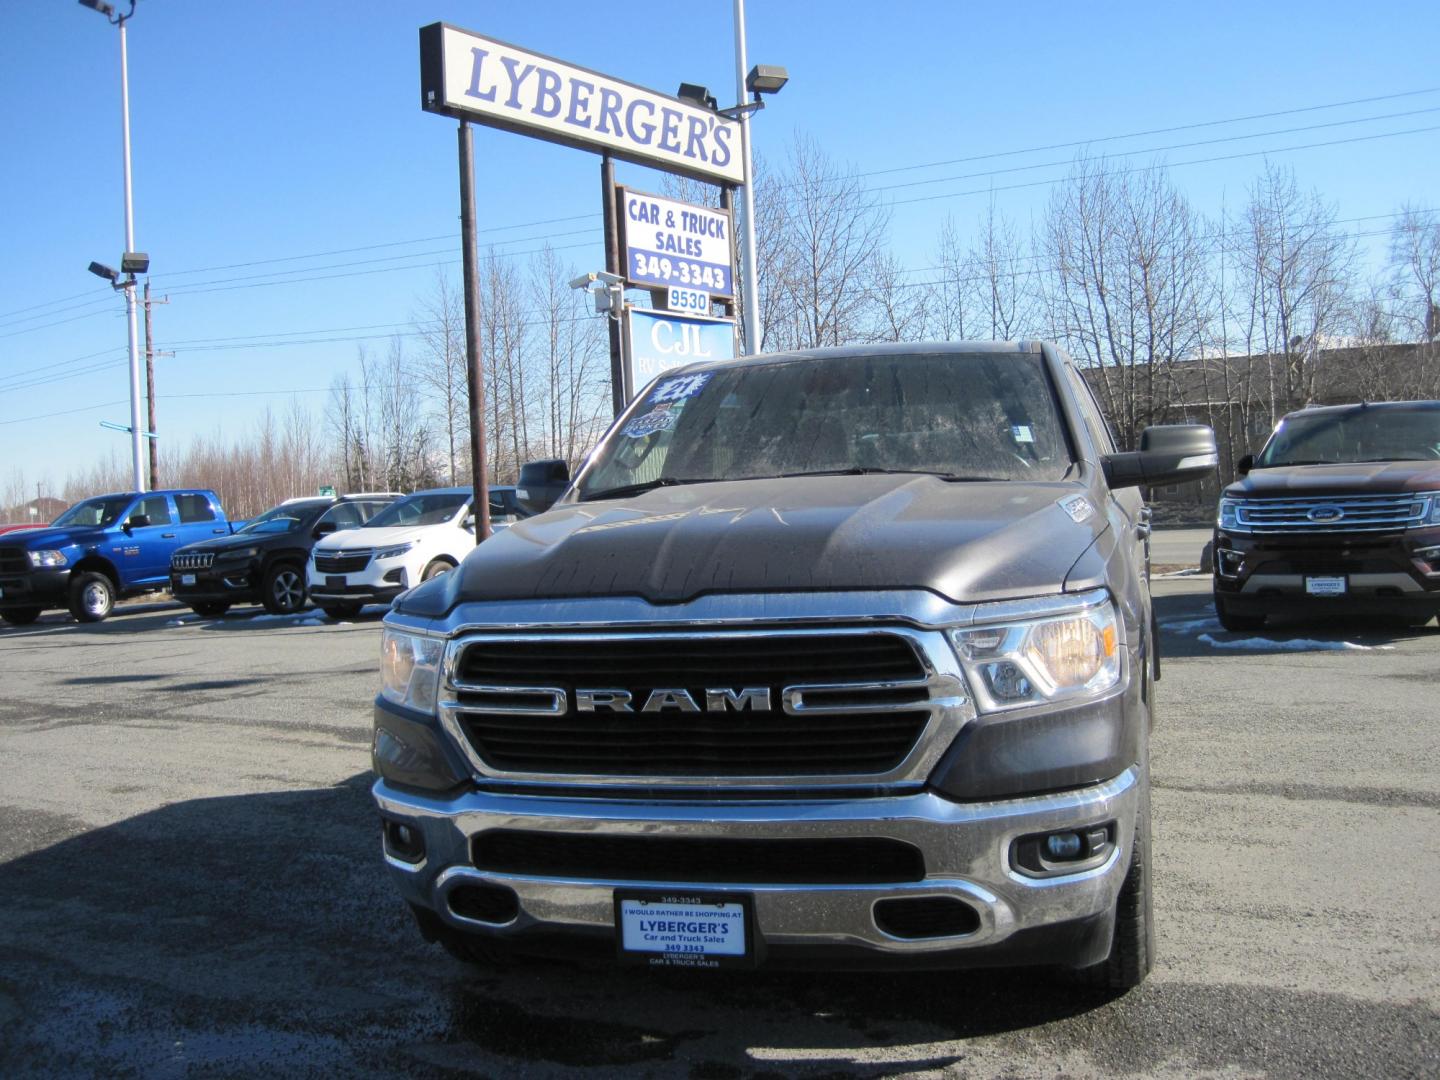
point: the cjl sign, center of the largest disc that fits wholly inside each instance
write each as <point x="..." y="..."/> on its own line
<point x="659" y="340"/>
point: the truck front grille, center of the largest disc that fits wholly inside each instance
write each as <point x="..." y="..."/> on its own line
<point x="701" y="860"/>
<point x="342" y="562"/>
<point x="1342" y="513"/>
<point x="198" y="560"/>
<point x="13" y="561"/>
<point x="821" y="704"/>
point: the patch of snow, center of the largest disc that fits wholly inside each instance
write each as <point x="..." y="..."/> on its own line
<point x="1293" y="645"/>
<point x="1190" y="626"/>
<point x="180" y="622"/>
<point x="1191" y="571"/>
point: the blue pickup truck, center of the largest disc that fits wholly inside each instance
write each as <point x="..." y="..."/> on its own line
<point x="102" y="550"/>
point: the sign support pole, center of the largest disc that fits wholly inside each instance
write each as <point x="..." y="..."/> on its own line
<point x="474" y="369"/>
<point x="750" y="290"/>
<point x="612" y="265"/>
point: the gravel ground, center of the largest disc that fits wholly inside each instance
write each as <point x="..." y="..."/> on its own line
<point x="190" y="882"/>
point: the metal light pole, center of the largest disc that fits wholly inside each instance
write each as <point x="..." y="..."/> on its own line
<point x="750" y="310"/>
<point x="137" y="456"/>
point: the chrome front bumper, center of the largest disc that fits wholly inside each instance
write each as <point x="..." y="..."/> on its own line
<point x="966" y="848"/>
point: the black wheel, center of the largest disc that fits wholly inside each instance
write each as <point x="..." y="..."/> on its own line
<point x="436" y="568"/>
<point x="284" y="589"/>
<point x="1132" y="949"/>
<point x="1232" y="621"/>
<point x="92" y="596"/>
<point x="341" y="611"/>
<point x="20" y="616"/>
<point x="210" y="608"/>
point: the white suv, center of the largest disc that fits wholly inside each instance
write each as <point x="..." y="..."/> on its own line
<point x="412" y="540"/>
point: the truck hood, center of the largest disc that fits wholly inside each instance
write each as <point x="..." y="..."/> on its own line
<point x="964" y="541"/>
<point x="234" y="541"/>
<point x="1355" y="478"/>
<point x="48" y="539"/>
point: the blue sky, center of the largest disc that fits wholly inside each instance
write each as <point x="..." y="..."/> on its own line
<point x="285" y="130"/>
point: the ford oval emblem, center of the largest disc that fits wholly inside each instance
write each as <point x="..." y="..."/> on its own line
<point x="1325" y="514"/>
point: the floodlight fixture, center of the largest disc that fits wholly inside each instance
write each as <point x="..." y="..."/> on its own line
<point x="134" y="262"/>
<point x="100" y="6"/>
<point x="101" y="270"/>
<point x="699" y="95"/>
<point x="602" y="277"/>
<point x="766" y="79"/>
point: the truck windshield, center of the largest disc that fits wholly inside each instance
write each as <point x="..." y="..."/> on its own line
<point x="96" y="512"/>
<point x="1361" y="434"/>
<point x="962" y="416"/>
<point x="432" y="509"/>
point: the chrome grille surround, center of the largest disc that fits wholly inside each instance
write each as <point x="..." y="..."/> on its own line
<point x="198" y="560"/>
<point x="938" y="689"/>
<point x="1331" y="514"/>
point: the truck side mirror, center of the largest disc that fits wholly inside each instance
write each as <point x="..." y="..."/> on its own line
<point x="1168" y="454"/>
<point x="323" y="528"/>
<point x="1245" y="464"/>
<point x="541" y="483"/>
<point x="137" y="521"/>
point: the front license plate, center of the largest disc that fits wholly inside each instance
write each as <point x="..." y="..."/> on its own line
<point x="705" y="930"/>
<point x="334" y="582"/>
<point x="1325" y="586"/>
<point x="187" y="579"/>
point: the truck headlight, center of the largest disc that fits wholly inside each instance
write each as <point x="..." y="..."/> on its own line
<point x="1014" y="664"/>
<point x="1229" y="516"/>
<point x="48" y="557"/>
<point x="410" y="668"/>
<point x="394" y="552"/>
<point x="239" y="553"/>
<point x="1433" y="518"/>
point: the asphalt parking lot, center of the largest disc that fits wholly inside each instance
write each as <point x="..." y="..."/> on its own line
<point x="190" y="882"/>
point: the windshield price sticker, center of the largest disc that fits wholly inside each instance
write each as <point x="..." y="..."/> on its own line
<point x="678" y="299"/>
<point x="683" y="931"/>
<point x="675" y="244"/>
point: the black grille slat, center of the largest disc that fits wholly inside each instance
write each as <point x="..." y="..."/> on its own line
<point x="853" y="861"/>
<point x="347" y="562"/>
<point x="695" y="744"/>
<point x="13" y="561"/>
<point x="926" y="917"/>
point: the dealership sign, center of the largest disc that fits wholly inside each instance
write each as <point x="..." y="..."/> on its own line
<point x="471" y="77"/>
<point x="675" y="244"/>
<point x="661" y="339"/>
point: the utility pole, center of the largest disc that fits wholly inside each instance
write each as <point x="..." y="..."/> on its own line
<point x="474" y="367"/>
<point x="150" y="355"/>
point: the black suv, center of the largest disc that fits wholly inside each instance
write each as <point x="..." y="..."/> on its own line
<point x="264" y="562"/>
<point x="1340" y="512"/>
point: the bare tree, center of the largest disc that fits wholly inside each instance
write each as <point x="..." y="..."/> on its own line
<point x="898" y="308"/>
<point x="441" y="367"/>
<point x="1415" y="260"/>
<point x="1127" y="275"/>
<point x="1297" y="268"/>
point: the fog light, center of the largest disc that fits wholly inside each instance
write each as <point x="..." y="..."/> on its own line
<point x="404" y="842"/>
<point x="1064" y="845"/>
<point x="1230" y="562"/>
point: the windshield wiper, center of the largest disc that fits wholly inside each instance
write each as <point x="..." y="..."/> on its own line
<point x="649" y="485"/>
<point x="866" y="470"/>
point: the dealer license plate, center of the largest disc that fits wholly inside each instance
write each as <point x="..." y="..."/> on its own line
<point x="708" y="930"/>
<point x="187" y="579"/>
<point x="1325" y="586"/>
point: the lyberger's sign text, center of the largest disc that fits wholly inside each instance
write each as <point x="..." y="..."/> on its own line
<point x="465" y="75"/>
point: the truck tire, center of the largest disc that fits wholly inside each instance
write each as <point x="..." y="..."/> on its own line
<point x="341" y="611"/>
<point x="20" y="616"/>
<point x="284" y="589"/>
<point x="92" y="596"/>
<point x="436" y="568"/>
<point x="1132" y="949"/>
<point x="1232" y="621"/>
<point x="210" y="608"/>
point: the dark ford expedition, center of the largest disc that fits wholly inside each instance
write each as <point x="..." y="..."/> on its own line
<point x="839" y="658"/>
<point x="1340" y="512"/>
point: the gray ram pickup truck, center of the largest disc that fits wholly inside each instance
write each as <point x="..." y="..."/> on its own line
<point x="841" y="658"/>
